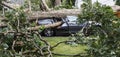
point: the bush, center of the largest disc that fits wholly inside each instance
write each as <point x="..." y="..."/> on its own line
<point x="105" y="42"/>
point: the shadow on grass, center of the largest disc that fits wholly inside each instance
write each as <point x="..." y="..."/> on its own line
<point x="64" y="48"/>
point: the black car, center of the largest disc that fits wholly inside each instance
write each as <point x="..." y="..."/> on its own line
<point x="69" y="26"/>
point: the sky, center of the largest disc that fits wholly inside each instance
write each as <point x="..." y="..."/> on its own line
<point x="104" y="2"/>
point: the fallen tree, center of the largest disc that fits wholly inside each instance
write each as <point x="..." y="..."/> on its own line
<point x="46" y="26"/>
<point x="33" y="16"/>
<point x="41" y="14"/>
<point x="54" y="13"/>
<point x="36" y="15"/>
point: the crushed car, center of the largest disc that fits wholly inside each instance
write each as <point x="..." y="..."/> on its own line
<point x="69" y="25"/>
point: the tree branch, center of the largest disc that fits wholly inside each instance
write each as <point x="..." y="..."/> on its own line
<point x="44" y="5"/>
<point x="48" y="45"/>
<point x="11" y="6"/>
<point x="46" y="26"/>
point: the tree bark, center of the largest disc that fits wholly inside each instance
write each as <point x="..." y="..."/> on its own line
<point x="38" y="27"/>
<point x="54" y="13"/>
<point x="10" y="6"/>
<point x="46" y="26"/>
<point x="29" y="2"/>
<point x="44" y="6"/>
<point x="57" y="2"/>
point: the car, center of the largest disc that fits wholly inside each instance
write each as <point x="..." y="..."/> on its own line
<point x="69" y="26"/>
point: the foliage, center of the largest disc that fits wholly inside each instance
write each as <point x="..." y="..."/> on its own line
<point x="34" y="4"/>
<point x="117" y="2"/>
<point x="68" y="4"/>
<point x="1" y="5"/>
<point x="51" y="3"/>
<point x="105" y="40"/>
<point x="17" y="40"/>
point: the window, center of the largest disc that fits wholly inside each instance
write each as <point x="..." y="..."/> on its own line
<point x="72" y="18"/>
<point x="45" y="21"/>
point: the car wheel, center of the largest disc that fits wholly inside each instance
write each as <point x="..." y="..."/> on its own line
<point x="48" y="32"/>
<point x="85" y="31"/>
<point x="88" y="32"/>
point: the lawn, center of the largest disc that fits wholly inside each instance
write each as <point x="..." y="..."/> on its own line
<point x="64" y="48"/>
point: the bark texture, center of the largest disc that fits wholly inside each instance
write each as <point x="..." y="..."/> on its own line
<point x="54" y="13"/>
<point x="47" y="26"/>
<point x="11" y="6"/>
<point x="44" y="6"/>
<point x="57" y="2"/>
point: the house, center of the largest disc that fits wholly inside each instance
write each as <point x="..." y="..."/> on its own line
<point x="78" y="3"/>
<point x="111" y="3"/>
<point x="116" y="10"/>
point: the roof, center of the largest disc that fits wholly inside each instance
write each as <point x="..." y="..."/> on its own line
<point x="115" y="8"/>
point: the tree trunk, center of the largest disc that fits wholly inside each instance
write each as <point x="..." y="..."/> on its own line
<point x="44" y="6"/>
<point x="47" y="26"/>
<point x="57" y="2"/>
<point x="54" y="13"/>
<point x="29" y="2"/>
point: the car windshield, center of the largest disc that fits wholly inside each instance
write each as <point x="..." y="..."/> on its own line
<point x="45" y="21"/>
<point x="72" y="18"/>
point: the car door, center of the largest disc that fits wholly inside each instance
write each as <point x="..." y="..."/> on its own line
<point x="46" y="31"/>
<point x="63" y="28"/>
<point x="73" y="24"/>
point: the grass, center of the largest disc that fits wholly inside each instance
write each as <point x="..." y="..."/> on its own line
<point x="65" y="48"/>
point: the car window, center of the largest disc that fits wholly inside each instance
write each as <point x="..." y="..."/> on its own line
<point x="57" y="19"/>
<point x="72" y="18"/>
<point x="45" y="21"/>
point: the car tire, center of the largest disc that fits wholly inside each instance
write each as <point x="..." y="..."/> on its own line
<point x="48" y="32"/>
<point x="85" y="32"/>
